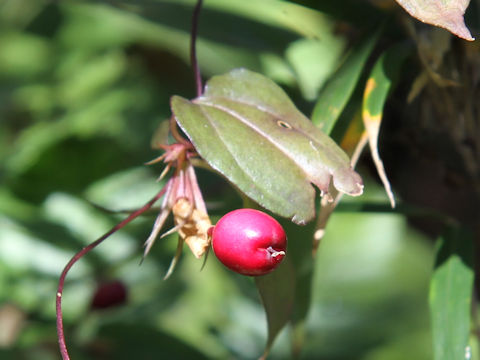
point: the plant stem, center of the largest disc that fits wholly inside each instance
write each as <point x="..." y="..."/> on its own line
<point x="174" y="130"/>
<point x="193" y="50"/>
<point x="327" y="207"/>
<point x="78" y="256"/>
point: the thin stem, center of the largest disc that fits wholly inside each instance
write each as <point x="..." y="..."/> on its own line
<point x="176" y="135"/>
<point x="193" y="49"/>
<point x="78" y="256"/>
<point x="327" y="207"/>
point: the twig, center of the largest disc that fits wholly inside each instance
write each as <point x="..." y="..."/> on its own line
<point x="327" y="207"/>
<point x="193" y="50"/>
<point x="78" y="256"/>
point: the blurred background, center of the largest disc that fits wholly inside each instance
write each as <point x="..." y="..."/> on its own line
<point x="84" y="86"/>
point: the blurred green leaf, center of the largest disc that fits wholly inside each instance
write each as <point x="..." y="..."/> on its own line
<point x="314" y="60"/>
<point x="303" y="20"/>
<point x="270" y="36"/>
<point x="275" y="25"/>
<point x="281" y="14"/>
<point x="337" y="91"/>
<point x="451" y="293"/>
<point x="23" y="55"/>
<point x="127" y="189"/>
<point x="303" y="264"/>
<point x="85" y="79"/>
<point x="277" y="291"/>
<point x="13" y="207"/>
<point x="140" y="341"/>
<point x="97" y="26"/>
<point x="241" y="109"/>
<point x="370" y="290"/>
<point x="361" y="14"/>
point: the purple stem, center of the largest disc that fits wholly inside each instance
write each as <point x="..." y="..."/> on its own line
<point x="77" y="256"/>
<point x="193" y="50"/>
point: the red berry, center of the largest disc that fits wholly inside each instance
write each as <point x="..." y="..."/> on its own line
<point x="109" y="294"/>
<point x="249" y="242"/>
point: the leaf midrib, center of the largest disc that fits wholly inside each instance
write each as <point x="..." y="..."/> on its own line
<point x="265" y="135"/>
<point x="225" y="144"/>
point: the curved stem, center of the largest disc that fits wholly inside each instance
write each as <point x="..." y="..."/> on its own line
<point x="78" y="256"/>
<point x="193" y="50"/>
<point x="176" y="135"/>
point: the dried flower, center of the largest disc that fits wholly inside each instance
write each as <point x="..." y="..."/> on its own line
<point x="184" y="199"/>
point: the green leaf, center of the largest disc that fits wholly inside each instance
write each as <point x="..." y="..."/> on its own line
<point x="379" y="84"/>
<point x="300" y="254"/>
<point x="142" y="340"/>
<point x="93" y="26"/>
<point x="23" y="55"/>
<point x="383" y="76"/>
<point x="247" y="128"/>
<point x="335" y="94"/>
<point x="277" y="291"/>
<point x="450" y="294"/>
<point x="313" y="61"/>
<point x="281" y="14"/>
<point x="294" y="278"/>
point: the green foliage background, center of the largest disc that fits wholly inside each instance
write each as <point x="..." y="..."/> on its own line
<point x="84" y="85"/>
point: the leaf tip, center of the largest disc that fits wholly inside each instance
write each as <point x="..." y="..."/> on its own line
<point x="348" y="181"/>
<point x="448" y="15"/>
<point x="299" y="220"/>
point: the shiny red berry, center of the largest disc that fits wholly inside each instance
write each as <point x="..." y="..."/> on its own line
<point x="249" y="242"/>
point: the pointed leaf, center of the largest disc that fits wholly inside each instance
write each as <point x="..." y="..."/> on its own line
<point x="447" y="14"/>
<point x="383" y="75"/>
<point x="247" y="128"/>
<point x="338" y="90"/>
<point x="450" y="295"/>
<point x="303" y="20"/>
<point x="277" y="291"/>
<point x="303" y="263"/>
<point x="295" y="278"/>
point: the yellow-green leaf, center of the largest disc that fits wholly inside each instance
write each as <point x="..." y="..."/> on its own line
<point x="383" y="75"/>
<point x="334" y="96"/>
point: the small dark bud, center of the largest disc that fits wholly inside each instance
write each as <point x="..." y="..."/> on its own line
<point x="109" y="294"/>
